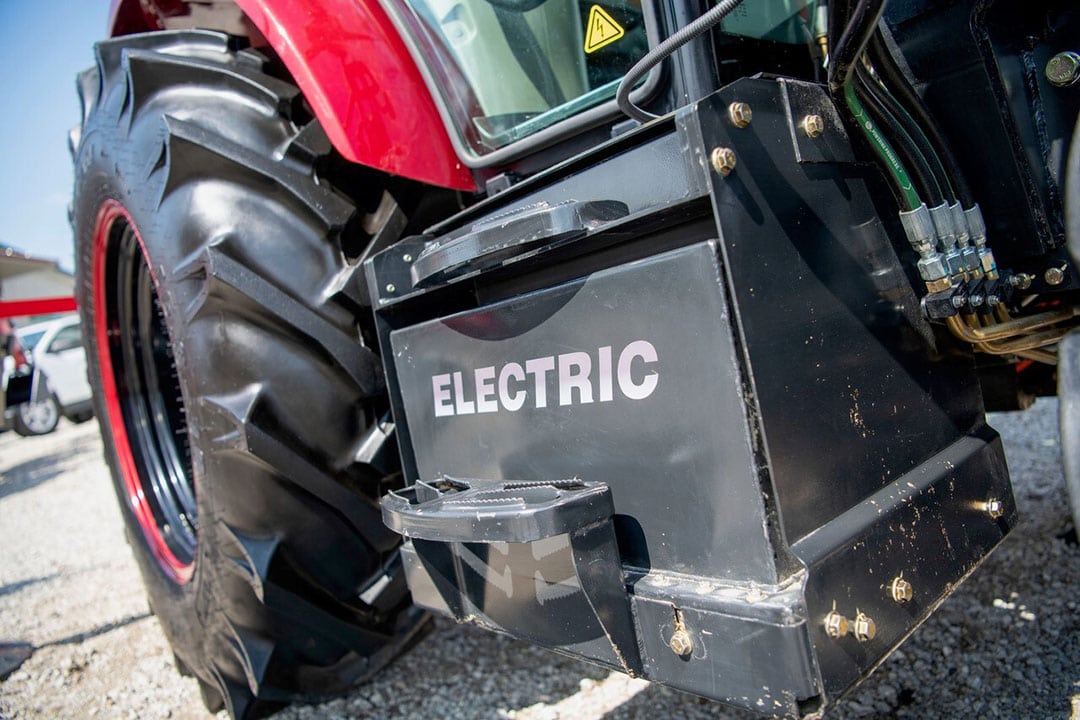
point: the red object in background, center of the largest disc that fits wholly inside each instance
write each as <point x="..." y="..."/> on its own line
<point x="40" y="306"/>
<point x="357" y="74"/>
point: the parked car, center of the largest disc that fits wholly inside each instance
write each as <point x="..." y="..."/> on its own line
<point x="55" y="350"/>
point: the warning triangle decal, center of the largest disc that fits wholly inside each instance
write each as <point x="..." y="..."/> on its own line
<point x="601" y="29"/>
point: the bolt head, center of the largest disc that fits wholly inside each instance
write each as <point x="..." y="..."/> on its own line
<point x="1063" y="69"/>
<point x="681" y="644"/>
<point x="901" y="590"/>
<point x="836" y="625"/>
<point x="407" y="257"/>
<point x="813" y="125"/>
<point x="865" y="628"/>
<point x="723" y="160"/>
<point x="995" y="508"/>
<point x="1054" y="276"/>
<point x="740" y="114"/>
<point x="390" y="287"/>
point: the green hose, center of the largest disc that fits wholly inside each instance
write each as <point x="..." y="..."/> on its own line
<point x="882" y="147"/>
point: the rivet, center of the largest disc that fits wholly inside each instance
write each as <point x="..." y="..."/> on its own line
<point x="407" y="258"/>
<point x="390" y="287"/>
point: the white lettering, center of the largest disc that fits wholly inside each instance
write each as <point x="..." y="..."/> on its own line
<point x="604" y="378"/>
<point x="461" y="405"/>
<point x="508" y="387"/>
<point x="485" y="388"/>
<point x="574" y="370"/>
<point x="539" y="368"/>
<point x="440" y="387"/>
<point x="514" y="402"/>
<point x="638" y="349"/>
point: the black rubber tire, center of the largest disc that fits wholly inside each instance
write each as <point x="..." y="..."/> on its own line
<point x="24" y="427"/>
<point x="213" y="162"/>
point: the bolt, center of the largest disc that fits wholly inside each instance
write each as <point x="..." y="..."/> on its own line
<point x="836" y="625"/>
<point x="1063" y="69"/>
<point x="995" y="508"/>
<point x="681" y="644"/>
<point x="993" y="300"/>
<point x="740" y="114"/>
<point x="813" y="125"/>
<point x="407" y="257"/>
<point x="865" y="628"/>
<point x="1054" y="275"/>
<point x="723" y="160"/>
<point x="901" y="590"/>
<point x="390" y="287"/>
<point x="1021" y="281"/>
<point x="975" y="300"/>
<point x="958" y="301"/>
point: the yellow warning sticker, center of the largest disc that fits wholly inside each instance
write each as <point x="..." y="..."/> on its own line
<point x="602" y="30"/>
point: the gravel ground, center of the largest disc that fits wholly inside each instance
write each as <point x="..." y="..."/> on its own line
<point x="1006" y="645"/>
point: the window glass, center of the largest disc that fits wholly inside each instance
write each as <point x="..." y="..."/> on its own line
<point x="509" y="68"/>
<point x="68" y="338"/>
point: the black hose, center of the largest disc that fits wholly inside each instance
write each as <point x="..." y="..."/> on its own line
<point x="893" y="78"/>
<point x="845" y="53"/>
<point x="914" y="134"/>
<point x="922" y="177"/>
<point x="659" y="53"/>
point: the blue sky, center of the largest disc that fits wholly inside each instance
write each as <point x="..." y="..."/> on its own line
<point x="43" y="44"/>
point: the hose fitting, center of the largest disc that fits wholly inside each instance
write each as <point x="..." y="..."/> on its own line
<point x="977" y="229"/>
<point x="945" y="229"/>
<point x="919" y="228"/>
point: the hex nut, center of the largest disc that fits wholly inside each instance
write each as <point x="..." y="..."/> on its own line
<point x="813" y="125"/>
<point x="901" y="590"/>
<point x="740" y="114"/>
<point x="1063" y="69"/>
<point x="865" y="628"/>
<point x="680" y="643"/>
<point x="933" y="267"/>
<point x="1054" y="276"/>
<point x="836" y="625"/>
<point x="723" y="160"/>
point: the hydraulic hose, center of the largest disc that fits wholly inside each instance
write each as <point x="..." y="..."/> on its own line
<point x="659" y="53"/>
<point x="893" y="78"/>
<point x="902" y="185"/>
<point x="922" y="143"/>
<point x="925" y="182"/>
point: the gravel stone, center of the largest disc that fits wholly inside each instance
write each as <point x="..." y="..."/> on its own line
<point x="1006" y="645"/>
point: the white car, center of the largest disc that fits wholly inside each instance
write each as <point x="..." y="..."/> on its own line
<point x="56" y="351"/>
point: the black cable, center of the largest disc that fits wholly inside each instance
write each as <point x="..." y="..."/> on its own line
<point x="846" y="51"/>
<point x="893" y="77"/>
<point x="922" y="177"/>
<point x="659" y="53"/>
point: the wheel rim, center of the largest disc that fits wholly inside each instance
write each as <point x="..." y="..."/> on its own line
<point x="142" y="393"/>
<point x="39" y="417"/>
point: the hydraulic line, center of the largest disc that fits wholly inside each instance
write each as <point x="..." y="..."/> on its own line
<point x="893" y="78"/>
<point x="925" y="182"/>
<point x="662" y="51"/>
<point x="842" y="63"/>
<point x="906" y="194"/>
<point x="925" y="148"/>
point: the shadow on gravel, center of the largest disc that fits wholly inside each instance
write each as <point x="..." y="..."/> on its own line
<point x="17" y="586"/>
<point x="38" y="471"/>
<point x="99" y="630"/>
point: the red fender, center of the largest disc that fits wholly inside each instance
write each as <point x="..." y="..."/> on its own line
<point x="357" y="74"/>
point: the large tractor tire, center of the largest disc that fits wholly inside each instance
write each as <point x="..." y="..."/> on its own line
<point x="232" y="378"/>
